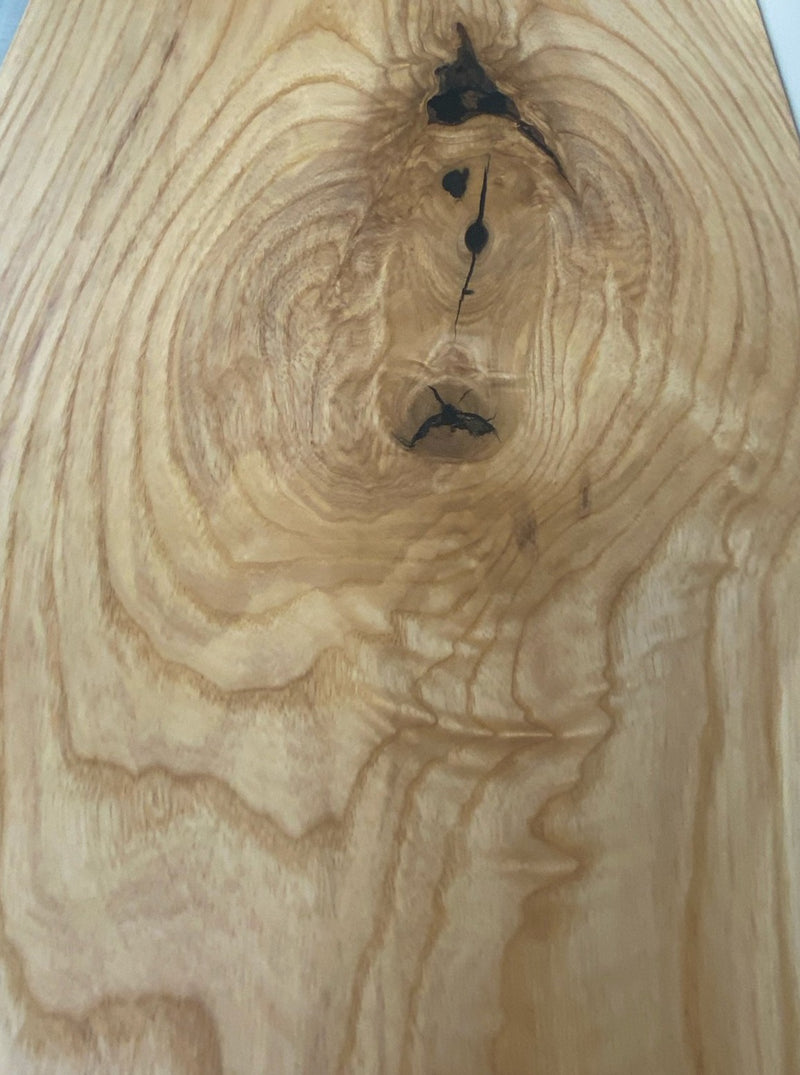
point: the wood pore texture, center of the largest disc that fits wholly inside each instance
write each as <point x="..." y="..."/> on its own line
<point x="323" y="755"/>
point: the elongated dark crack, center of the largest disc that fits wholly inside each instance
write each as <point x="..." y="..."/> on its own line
<point x="475" y="239"/>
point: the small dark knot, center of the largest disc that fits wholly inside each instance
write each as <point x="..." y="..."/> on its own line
<point x="476" y="237"/>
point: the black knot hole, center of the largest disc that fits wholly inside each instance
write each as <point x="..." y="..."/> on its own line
<point x="476" y="237"/>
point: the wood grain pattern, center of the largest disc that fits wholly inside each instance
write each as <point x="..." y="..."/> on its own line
<point x="321" y="755"/>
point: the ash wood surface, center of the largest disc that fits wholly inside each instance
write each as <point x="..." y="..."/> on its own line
<point x="322" y="754"/>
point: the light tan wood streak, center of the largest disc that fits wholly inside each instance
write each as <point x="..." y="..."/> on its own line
<point x="323" y="754"/>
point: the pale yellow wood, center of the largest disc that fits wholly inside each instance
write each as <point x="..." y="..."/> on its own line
<point x="321" y="755"/>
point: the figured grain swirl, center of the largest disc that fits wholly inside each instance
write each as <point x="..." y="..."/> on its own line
<point x="325" y="755"/>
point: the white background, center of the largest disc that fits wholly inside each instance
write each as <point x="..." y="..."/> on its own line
<point x="782" y="19"/>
